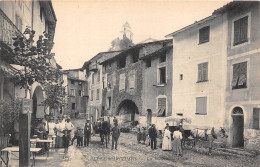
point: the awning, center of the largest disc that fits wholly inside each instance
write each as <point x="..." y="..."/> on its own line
<point x="8" y="70"/>
<point x="161" y="112"/>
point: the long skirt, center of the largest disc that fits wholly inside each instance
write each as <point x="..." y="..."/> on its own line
<point x="59" y="142"/>
<point x="177" y="146"/>
<point x="166" y="144"/>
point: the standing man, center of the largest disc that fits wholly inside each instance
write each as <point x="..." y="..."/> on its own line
<point x="87" y="132"/>
<point x="115" y="135"/>
<point x="153" y="135"/>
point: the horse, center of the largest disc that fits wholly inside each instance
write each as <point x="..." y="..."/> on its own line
<point x="103" y="128"/>
<point x="204" y="136"/>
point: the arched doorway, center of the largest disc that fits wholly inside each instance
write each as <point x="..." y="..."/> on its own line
<point x="127" y="111"/>
<point x="38" y="107"/>
<point x="149" y="116"/>
<point x="237" y="127"/>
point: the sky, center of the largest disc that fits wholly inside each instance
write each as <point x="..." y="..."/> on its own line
<point x="87" y="27"/>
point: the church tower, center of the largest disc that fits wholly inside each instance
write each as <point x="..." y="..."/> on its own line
<point x="127" y="32"/>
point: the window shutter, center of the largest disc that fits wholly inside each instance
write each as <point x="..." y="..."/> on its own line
<point x="256" y="118"/>
<point x="204" y="34"/>
<point x="243" y="29"/>
<point x="122" y="82"/>
<point x="236" y="32"/>
<point x="201" y="105"/>
<point x="204" y="71"/>
<point x="199" y="72"/>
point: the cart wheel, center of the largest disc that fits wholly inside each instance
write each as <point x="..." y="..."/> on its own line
<point x="188" y="144"/>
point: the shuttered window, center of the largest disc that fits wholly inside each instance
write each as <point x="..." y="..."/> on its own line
<point x="93" y="78"/>
<point x="203" y="72"/>
<point x="97" y="97"/>
<point x="132" y="81"/>
<point x="204" y="35"/>
<point x="122" y="82"/>
<point x="201" y="105"/>
<point x="239" y="75"/>
<point x="98" y="77"/>
<point x="161" y="107"/>
<point x="240" y="30"/>
<point x="256" y="118"/>
<point x="109" y="80"/>
<point x="72" y="92"/>
<point x="92" y="95"/>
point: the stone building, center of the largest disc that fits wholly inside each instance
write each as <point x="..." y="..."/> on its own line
<point x="76" y="86"/>
<point x="216" y="74"/>
<point x="126" y="76"/>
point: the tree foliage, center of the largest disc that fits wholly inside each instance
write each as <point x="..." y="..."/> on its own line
<point x="121" y="44"/>
<point x="36" y="59"/>
<point x="55" y="95"/>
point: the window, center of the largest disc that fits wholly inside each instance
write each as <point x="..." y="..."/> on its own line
<point x="163" y="58"/>
<point x="161" y="102"/>
<point x="135" y="56"/>
<point x="73" y="106"/>
<point x="239" y="75"/>
<point x="109" y="81"/>
<point x="240" y="30"/>
<point x="131" y="81"/>
<point x="256" y="112"/>
<point x="162" y="76"/>
<point x="72" y="92"/>
<point x="122" y="82"/>
<point x="121" y="62"/>
<point x="98" y="77"/>
<point x="92" y="95"/>
<point x="201" y="106"/>
<point x="181" y="76"/>
<point x="97" y="97"/>
<point x="108" y="103"/>
<point x="148" y="62"/>
<point x="204" y="35"/>
<point x="72" y="82"/>
<point x="203" y="72"/>
<point x="80" y="93"/>
<point x="93" y="78"/>
<point x="60" y="109"/>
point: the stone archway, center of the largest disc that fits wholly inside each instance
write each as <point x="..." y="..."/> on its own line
<point x="38" y="107"/>
<point x="127" y="111"/>
<point x="237" y="127"/>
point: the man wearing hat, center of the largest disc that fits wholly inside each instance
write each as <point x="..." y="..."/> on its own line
<point x="87" y="132"/>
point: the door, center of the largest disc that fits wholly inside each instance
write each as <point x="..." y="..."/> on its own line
<point x="238" y="128"/>
<point x="149" y="116"/>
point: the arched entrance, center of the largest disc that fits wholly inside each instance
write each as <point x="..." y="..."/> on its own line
<point x="149" y="116"/>
<point x="127" y="111"/>
<point x="237" y="127"/>
<point x="38" y="107"/>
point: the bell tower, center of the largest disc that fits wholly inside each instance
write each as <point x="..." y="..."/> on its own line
<point x="127" y="32"/>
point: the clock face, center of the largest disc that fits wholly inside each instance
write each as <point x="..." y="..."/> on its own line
<point x="237" y="110"/>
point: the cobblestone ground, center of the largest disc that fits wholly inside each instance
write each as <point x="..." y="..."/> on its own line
<point x="130" y="153"/>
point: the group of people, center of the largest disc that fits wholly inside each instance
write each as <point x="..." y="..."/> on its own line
<point x="167" y="144"/>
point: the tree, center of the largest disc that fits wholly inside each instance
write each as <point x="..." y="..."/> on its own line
<point x="55" y="96"/>
<point x="35" y="59"/>
<point x="121" y="44"/>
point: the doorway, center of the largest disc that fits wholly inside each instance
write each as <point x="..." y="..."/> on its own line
<point x="149" y="116"/>
<point x="238" y="128"/>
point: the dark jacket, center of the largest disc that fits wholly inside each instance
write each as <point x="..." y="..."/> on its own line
<point x="152" y="133"/>
<point x="87" y="128"/>
<point x="115" y="132"/>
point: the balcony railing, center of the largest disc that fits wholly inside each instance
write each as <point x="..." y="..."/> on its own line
<point x="7" y="29"/>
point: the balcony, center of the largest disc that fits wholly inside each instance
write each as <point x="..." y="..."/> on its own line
<point x="7" y="29"/>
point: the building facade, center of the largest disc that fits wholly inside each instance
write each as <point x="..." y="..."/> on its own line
<point x="215" y="76"/>
<point x="76" y="86"/>
<point x="15" y="16"/>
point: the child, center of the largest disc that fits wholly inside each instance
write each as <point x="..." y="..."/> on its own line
<point x="78" y="134"/>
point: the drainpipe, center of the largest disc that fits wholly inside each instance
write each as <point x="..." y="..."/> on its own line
<point x="32" y="13"/>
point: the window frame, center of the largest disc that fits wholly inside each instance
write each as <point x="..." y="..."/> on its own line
<point x="201" y="79"/>
<point x="200" y="113"/>
<point x="97" y="94"/>
<point x="248" y="74"/>
<point x="74" y="106"/>
<point x="72" y="94"/>
<point x="200" y="35"/>
<point x="248" y="31"/>
<point x="166" y="107"/>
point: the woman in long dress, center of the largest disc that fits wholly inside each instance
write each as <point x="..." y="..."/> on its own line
<point x="177" y="137"/>
<point x="167" y="145"/>
<point x="60" y="127"/>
